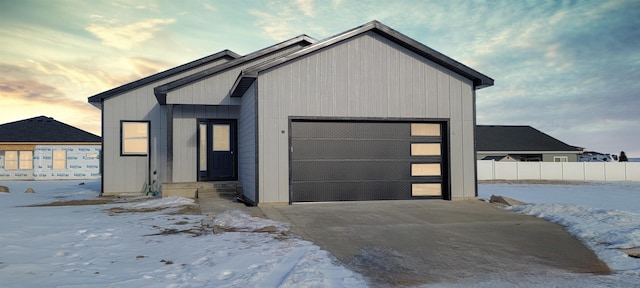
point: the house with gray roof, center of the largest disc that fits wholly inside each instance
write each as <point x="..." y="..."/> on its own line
<point x="522" y="143"/>
<point x="368" y="114"/>
<point x="42" y="148"/>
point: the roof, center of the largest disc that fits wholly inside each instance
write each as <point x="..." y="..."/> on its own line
<point x="480" y="80"/>
<point x="517" y="138"/>
<point x="161" y="91"/>
<point x="96" y="100"/>
<point x="44" y="129"/>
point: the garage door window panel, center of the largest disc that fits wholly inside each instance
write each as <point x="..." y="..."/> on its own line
<point x="426" y="149"/>
<point x="425" y="129"/>
<point x="426" y="189"/>
<point x="426" y="169"/>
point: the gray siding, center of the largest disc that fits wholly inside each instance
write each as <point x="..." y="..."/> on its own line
<point x="548" y="157"/>
<point x="247" y="144"/>
<point x="215" y="89"/>
<point x="185" y="136"/>
<point x="367" y="76"/>
<point x="128" y="174"/>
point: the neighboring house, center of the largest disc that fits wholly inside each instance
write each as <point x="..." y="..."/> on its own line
<point x="522" y="143"/>
<point x="42" y="148"/>
<point x="368" y="114"/>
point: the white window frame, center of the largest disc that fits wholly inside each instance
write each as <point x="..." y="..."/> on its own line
<point x="126" y="140"/>
<point x="560" y="158"/>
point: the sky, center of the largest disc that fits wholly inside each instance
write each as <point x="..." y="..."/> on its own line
<point x="568" y="68"/>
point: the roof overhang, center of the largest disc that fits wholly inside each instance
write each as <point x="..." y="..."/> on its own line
<point x="96" y="100"/>
<point x="162" y="91"/>
<point x="479" y="80"/>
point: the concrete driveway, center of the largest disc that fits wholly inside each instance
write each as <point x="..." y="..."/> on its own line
<point x="399" y="243"/>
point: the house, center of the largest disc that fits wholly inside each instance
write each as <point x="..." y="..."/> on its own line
<point x="368" y="114"/>
<point x="522" y="143"/>
<point x="42" y="148"/>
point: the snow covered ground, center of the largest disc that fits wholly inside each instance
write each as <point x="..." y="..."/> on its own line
<point x="83" y="246"/>
<point x="142" y="244"/>
<point x="603" y="215"/>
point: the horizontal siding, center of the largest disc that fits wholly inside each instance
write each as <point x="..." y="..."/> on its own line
<point x="367" y="76"/>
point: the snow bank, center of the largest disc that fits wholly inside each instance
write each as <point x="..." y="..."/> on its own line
<point x="604" y="231"/>
<point x="603" y="215"/>
<point x="82" y="246"/>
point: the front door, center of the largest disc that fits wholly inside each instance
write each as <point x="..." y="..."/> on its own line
<point x="217" y="151"/>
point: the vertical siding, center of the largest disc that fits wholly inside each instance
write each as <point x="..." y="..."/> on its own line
<point x="128" y="174"/>
<point x="247" y="144"/>
<point x="366" y="76"/>
<point x="185" y="136"/>
<point x="214" y="89"/>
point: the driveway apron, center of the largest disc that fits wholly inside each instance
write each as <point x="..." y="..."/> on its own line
<point x="407" y="243"/>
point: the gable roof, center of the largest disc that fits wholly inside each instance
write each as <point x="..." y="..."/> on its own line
<point x="44" y="129"/>
<point x="161" y="91"/>
<point x="517" y="138"/>
<point x="479" y="80"/>
<point x="96" y="100"/>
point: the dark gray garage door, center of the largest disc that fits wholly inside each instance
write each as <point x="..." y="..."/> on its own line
<point x="366" y="160"/>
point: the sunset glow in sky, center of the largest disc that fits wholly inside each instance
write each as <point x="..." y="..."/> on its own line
<point x="568" y="68"/>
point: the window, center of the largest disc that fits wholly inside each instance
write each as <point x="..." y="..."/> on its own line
<point x="431" y="169"/>
<point x="11" y="160"/>
<point x="22" y="160"/>
<point x="221" y="137"/>
<point x="59" y="159"/>
<point x="560" y="158"/>
<point x="425" y="129"/>
<point x="26" y="160"/>
<point x="426" y="189"/>
<point x="135" y="138"/>
<point x="203" y="147"/>
<point x="425" y="149"/>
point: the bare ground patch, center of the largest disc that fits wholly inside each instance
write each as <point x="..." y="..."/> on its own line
<point x="185" y="210"/>
<point x="85" y="202"/>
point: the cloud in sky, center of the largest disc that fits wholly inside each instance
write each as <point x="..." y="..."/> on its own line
<point x="126" y="36"/>
<point x="568" y="68"/>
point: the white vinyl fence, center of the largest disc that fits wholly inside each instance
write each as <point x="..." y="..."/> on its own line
<point x="590" y="171"/>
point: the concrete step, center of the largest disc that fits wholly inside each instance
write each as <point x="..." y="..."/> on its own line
<point x="202" y="189"/>
<point x="180" y="192"/>
<point x="208" y="193"/>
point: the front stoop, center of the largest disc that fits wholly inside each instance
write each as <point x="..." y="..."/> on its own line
<point x="202" y="190"/>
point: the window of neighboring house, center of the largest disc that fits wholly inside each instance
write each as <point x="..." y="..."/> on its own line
<point x="14" y="160"/>
<point x="560" y="158"/>
<point x="59" y="159"/>
<point x="11" y="160"/>
<point x="135" y="138"/>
